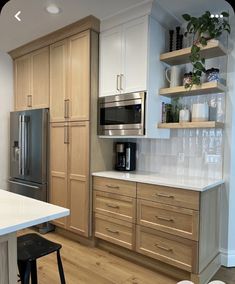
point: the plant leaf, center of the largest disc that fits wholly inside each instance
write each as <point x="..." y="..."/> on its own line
<point x="186" y="17"/>
<point x="225" y="14"/>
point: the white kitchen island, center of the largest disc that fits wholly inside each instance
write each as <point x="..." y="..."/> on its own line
<point x="18" y="212"/>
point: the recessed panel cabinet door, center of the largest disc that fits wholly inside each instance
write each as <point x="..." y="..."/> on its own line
<point x="134" y="73"/>
<point x="40" y="78"/>
<point x="58" y="81"/>
<point x="78" y="177"/>
<point x="79" y="76"/>
<point x="110" y="61"/>
<point x="22" y="82"/>
<point x="58" y="167"/>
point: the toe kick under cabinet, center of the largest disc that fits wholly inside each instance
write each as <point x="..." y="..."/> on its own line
<point x="179" y="227"/>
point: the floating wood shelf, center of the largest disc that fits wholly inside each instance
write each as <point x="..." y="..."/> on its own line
<point x="205" y="88"/>
<point x="181" y="125"/>
<point x="213" y="49"/>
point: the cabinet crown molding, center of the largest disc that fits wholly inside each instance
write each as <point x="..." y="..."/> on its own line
<point x="89" y="22"/>
<point x="148" y="8"/>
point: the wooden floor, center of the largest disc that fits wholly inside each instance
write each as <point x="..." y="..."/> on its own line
<point x="85" y="265"/>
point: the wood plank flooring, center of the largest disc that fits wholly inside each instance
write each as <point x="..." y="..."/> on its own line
<point x="86" y="265"/>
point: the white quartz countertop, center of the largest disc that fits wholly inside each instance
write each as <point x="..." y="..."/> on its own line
<point x="171" y="180"/>
<point x="18" y="212"/>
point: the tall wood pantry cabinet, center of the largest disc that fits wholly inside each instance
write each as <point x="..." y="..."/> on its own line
<point x="32" y="80"/>
<point x="63" y="66"/>
<point x="70" y="127"/>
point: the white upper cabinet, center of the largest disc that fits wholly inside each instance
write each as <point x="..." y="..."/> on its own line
<point x="134" y="71"/>
<point x="123" y="58"/>
<point x="110" y="61"/>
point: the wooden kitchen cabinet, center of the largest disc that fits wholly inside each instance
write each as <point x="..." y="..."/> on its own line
<point x="175" y="226"/>
<point x="32" y="80"/>
<point x="70" y="78"/>
<point x="58" y="81"/>
<point x="69" y="173"/>
<point x="123" y="58"/>
<point x="78" y="177"/>
<point x="58" y="167"/>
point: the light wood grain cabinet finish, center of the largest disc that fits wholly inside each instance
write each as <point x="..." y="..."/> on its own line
<point x="176" y="226"/>
<point x="117" y="186"/>
<point x="69" y="176"/>
<point x="170" y="219"/>
<point x="168" y="248"/>
<point x="169" y="195"/>
<point x="116" y="206"/>
<point x="32" y="80"/>
<point x="70" y="79"/>
<point x="114" y="230"/>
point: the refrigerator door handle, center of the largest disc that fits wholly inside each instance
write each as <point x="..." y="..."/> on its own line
<point x="24" y="184"/>
<point x="23" y="145"/>
<point x="20" y="145"/>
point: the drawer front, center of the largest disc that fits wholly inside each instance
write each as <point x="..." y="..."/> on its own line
<point x="174" y="220"/>
<point x="113" y="205"/>
<point x="117" y="186"/>
<point x="115" y="231"/>
<point x="166" y="248"/>
<point x="169" y="195"/>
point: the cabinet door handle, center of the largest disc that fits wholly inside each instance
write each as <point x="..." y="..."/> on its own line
<point x="165" y="219"/>
<point x="66" y="134"/>
<point x="112" y="206"/>
<point x="164" y="248"/>
<point x="164" y="195"/>
<point x="112" y="231"/>
<point x="112" y="186"/>
<point x="66" y="108"/>
<point x="121" y="82"/>
<point x="118" y="83"/>
<point x="29" y="100"/>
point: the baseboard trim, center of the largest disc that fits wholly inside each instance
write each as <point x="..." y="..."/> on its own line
<point x="227" y="258"/>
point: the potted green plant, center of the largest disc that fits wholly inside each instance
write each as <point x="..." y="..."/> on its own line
<point x="203" y="29"/>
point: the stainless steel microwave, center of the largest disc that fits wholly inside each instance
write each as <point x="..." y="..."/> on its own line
<point x="122" y="115"/>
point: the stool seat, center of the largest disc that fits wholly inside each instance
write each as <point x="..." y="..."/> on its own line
<point x="30" y="247"/>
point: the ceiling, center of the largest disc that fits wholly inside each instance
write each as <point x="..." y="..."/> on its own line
<point x="36" y="22"/>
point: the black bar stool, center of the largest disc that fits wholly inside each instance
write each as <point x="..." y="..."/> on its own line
<point x="30" y="247"/>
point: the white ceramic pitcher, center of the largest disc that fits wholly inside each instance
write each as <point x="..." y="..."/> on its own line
<point x="175" y="78"/>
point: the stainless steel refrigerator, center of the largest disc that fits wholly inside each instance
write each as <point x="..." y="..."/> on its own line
<point x="29" y="153"/>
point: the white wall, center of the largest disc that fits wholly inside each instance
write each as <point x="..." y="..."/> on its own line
<point x="228" y="195"/>
<point x="6" y="104"/>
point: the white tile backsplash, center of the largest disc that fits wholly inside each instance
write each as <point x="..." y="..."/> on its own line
<point x="193" y="152"/>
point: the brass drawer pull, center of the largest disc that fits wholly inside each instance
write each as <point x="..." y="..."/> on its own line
<point x="112" y="206"/>
<point x="112" y="186"/>
<point x="164" y="195"/>
<point x="163" y="248"/>
<point x="112" y="231"/>
<point x="165" y="219"/>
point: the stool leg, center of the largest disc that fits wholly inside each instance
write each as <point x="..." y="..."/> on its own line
<point x="60" y="267"/>
<point x="21" y="268"/>
<point x="26" y="275"/>
<point x="34" y="277"/>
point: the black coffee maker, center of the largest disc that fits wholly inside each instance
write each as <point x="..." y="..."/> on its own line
<point x="125" y="156"/>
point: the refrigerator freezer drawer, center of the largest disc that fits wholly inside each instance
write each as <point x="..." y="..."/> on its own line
<point x="29" y="189"/>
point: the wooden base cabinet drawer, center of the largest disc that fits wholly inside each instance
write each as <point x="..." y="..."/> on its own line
<point x="173" y="250"/>
<point x="166" y="218"/>
<point x="115" y="231"/>
<point x="116" y="186"/>
<point x="117" y="206"/>
<point x="169" y="195"/>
